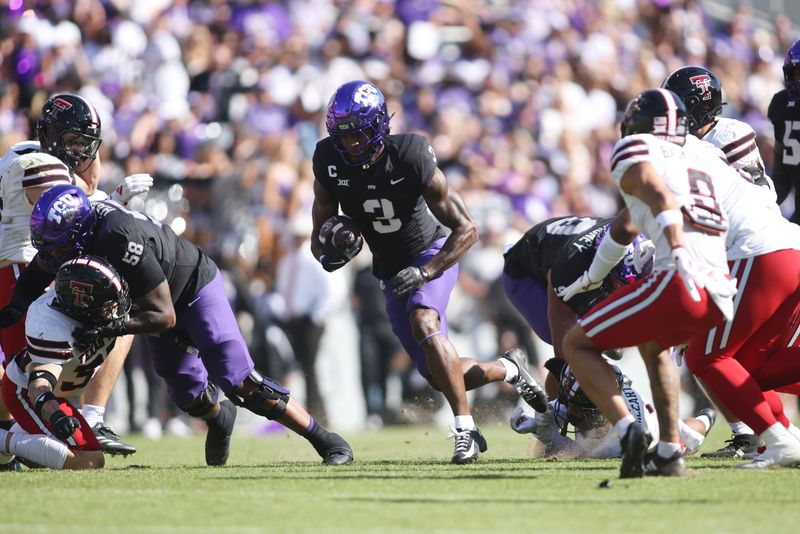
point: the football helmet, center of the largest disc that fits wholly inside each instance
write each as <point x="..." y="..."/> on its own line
<point x="573" y="406"/>
<point x="656" y="111"/>
<point x="624" y="272"/>
<point x="61" y="223"/>
<point x="90" y="290"/>
<point x="791" y="71"/>
<point x="358" y="122"/>
<point x="701" y="93"/>
<point x="69" y="128"/>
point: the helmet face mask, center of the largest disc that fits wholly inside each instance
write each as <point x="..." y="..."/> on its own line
<point x="580" y="411"/>
<point x="89" y="290"/>
<point x="791" y="71"/>
<point x="701" y="93"/>
<point x="69" y="128"/>
<point x="658" y="112"/>
<point x="358" y="122"/>
<point x="61" y="223"/>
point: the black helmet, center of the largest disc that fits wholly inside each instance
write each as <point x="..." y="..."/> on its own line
<point x="701" y="93"/>
<point x="658" y="112"/>
<point x="90" y="290"/>
<point x="69" y="129"/>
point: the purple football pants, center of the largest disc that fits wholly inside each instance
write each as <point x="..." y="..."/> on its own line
<point x="435" y="294"/>
<point x="529" y="296"/>
<point x="221" y="356"/>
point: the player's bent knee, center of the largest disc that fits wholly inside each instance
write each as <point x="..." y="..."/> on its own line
<point x="262" y="396"/>
<point x="202" y="405"/>
<point x="78" y="460"/>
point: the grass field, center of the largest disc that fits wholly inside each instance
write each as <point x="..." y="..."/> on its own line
<point x="401" y="482"/>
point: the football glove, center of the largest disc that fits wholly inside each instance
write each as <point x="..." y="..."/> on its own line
<point x="86" y="336"/>
<point x="642" y="254"/>
<point x="63" y="425"/>
<point x="135" y="184"/>
<point x="691" y="277"/>
<point x="581" y="285"/>
<point x="408" y="279"/>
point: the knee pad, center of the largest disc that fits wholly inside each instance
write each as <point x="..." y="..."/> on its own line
<point x="202" y="404"/>
<point x="266" y="390"/>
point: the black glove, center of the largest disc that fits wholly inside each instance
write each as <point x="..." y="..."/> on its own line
<point x="336" y="257"/>
<point x="86" y="336"/>
<point x="408" y="279"/>
<point x="331" y="262"/>
<point x="63" y="425"/>
<point x="9" y="315"/>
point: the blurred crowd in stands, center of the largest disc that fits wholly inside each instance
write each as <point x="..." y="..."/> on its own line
<point x="223" y="101"/>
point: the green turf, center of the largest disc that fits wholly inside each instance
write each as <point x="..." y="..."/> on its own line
<point x="401" y="482"/>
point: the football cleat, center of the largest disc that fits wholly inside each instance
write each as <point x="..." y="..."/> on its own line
<point x="469" y="445"/>
<point x="528" y="388"/>
<point x="13" y="465"/>
<point x="110" y="442"/>
<point x="336" y="451"/>
<point x="658" y="466"/>
<point x="739" y="446"/>
<point x="710" y="413"/>
<point x="218" y="438"/>
<point x="786" y="454"/>
<point x="634" y="448"/>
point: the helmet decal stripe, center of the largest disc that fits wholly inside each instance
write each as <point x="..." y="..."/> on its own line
<point x="672" y="111"/>
<point x="105" y="271"/>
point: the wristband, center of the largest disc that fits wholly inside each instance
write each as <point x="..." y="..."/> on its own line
<point x="669" y="217"/>
<point x="424" y="273"/>
<point x="43" y="398"/>
<point x="47" y="375"/>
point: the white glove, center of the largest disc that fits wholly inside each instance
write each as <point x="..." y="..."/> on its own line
<point x="135" y="184"/>
<point x="643" y="253"/>
<point x="679" y="354"/>
<point x="692" y="278"/>
<point x="581" y="285"/>
<point x="521" y="423"/>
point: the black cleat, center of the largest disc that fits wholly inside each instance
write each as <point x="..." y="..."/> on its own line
<point x="218" y="438"/>
<point x="634" y="447"/>
<point x="739" y="446"/>
<point x="469" y="445"/>
<point x="14" y="465"/>
<point x="335" y="451"/>
<point x="528" y="388"/>
<point x="658" y="466"/>
<point x="110" y="442"/>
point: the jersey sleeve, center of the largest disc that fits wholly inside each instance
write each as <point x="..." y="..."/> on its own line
<point x="738" y="143"/>
<point x="131" y="254"/>
<point x="48" y="333"/>
<point x="628" y="152"/>
<point x="42" y="170"/>
<point x="323" y="169"/>
<point x="422" y="159"/>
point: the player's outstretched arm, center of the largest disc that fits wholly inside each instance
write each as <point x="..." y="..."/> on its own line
<point x="451" y="211"/>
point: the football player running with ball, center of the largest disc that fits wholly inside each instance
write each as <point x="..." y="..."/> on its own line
<point x="386" y="184"/>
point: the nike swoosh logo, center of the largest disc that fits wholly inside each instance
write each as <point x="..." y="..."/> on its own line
<point x="397" y="181"/>
<point x="192" y="302"/>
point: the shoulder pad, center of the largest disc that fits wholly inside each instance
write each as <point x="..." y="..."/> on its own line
<point x="48" y="332"/>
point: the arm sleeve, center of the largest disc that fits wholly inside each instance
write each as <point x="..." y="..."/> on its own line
<point x="424" y="161"/>
<point x="321" y="169"/>
<point x="30" y="284"/>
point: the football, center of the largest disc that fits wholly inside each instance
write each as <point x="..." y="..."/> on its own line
<point x="339" y="232"/>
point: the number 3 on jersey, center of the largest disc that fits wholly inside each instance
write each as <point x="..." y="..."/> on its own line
<point x="134" y="253"/>
<point x="384" y="213"/>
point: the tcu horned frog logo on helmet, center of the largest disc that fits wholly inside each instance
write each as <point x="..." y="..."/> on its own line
<point x="703" y="82"/>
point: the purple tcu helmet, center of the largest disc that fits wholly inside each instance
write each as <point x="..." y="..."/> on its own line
<point x="573" y="406"/>
<point x="61" y="223"/>
<point x="358" y="122"/>
<point x="624" y="272"/>
<point x="791" y="70"/>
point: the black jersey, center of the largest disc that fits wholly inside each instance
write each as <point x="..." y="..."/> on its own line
<point x="146" y="253"/>
<point x="784" y="113"/>
<point x="565" y="246"/>
<point x="386" y="199"/>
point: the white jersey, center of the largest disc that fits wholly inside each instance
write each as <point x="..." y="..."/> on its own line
<point x="49" y="336"/>
<point x="737" y="141"/>
<point x="690" y="192"/>
<point x="756" y="225"/>
<point x="23" y="168"/>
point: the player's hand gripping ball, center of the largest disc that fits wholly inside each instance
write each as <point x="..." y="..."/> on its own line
<point x="341" y="240"/>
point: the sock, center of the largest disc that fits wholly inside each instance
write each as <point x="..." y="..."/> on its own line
<point x="315" y="434"/>
<point x="93" y="414"/>
<point x="39" y="448"/>
<point x="621" y="426"/>
<point x="705" y="421"/>
<point x="221" y="419"/>
<point x="776" y="405"/>
<point x="512" y="371"/>
<point x="691" y="438"/>
<point x="465" y="422"/>
<point x="739" y="428"/>
<point x="666" y="449"/>
<point x="6" y="424"/>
